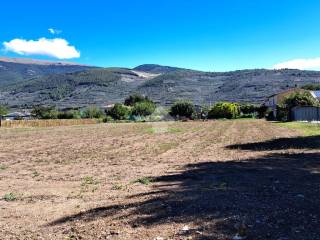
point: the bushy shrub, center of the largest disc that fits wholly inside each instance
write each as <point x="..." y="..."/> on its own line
<point x="262" y="111"/>
<point x="299" y="99"/>
<point x="144" y="108"/>
<point x="108" y="118"/>
<point x="43" y="112"/>
<point x="224" y="110"/>
<point x="313" y="87"/>
<point x="3" y="110"/>
<point x="282" y="113"/>
<point x="71" y="114"/>
<point x="160" y="114"/>
<point x="247" y="108"/>
<point x="182" y="109"/>
<point x="93" y="112"/>
<point x="119" y="112"/>
<point x="133" y="99"/>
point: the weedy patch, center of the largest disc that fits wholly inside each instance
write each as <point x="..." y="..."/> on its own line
<point x="89" y="184"/>
<point x="164" y="147"/>
<point x="308" y="129"/>
<point x="117" y="187"/>
<point x="155" y="130"/>
<point x="88" y="180"/>
<point x="10" y="197"/>
<point x="35" y="174"/>
<point x="175" y="130"/>
<point x="3" y="167"/>
<point x="143" y="180"/>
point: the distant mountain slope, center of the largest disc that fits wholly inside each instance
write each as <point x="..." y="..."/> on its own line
<point x="13" y="70"/>
<point x="238" y="86"/>
<point x="155" y="68"/>
<point x="103" y="86"/>
<point x="95" y="86"/>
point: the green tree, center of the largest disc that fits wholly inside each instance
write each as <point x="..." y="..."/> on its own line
<point x="133" y="99"/>
<point x="299" y="99"/>
<point x="263" y="111"/>
<point x="3" y="110"/>
<point x="93" y="112"/>
<point x="182" y="109"/>
<point x="44" y="112"/>
<point x="224" y="110"/>
<point x="144" y="108"/>
<point x="313" y="87"/>
<point x="119" y="112"/>
<point x="247" y="108"/>
<point x="71" y="114"/>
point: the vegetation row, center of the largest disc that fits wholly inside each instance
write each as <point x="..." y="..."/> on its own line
<point x="141" y="108"/>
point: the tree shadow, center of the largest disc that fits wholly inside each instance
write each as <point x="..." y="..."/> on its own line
<point x="310" y="142"/>
<point x="276" y="197"/>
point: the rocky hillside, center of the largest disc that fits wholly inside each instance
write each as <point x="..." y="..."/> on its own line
<point x="14" y="70"/>
<point x="67" y="85"/>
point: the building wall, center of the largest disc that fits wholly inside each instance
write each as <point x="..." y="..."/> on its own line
<point x="305" y="114"/>
<point x="273" y="101"/>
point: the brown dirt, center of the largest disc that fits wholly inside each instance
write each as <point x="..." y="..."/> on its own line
<point x="151" y="180"/>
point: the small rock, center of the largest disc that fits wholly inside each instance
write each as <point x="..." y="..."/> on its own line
<point x="158" y="238"/>
<point x="185" y="228"/>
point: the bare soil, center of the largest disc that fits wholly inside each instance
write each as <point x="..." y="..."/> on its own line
<point x="183" y="180"/>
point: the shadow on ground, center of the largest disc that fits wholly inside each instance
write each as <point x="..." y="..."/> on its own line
<point x="311" y="142"/>
<point x="276" y="197"/>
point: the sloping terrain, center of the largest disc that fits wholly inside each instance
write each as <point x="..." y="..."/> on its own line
<point x="171" y="180"/>
<point x="239" y="86"/>
<point x="77" y="86"/>
<point x="15" y="70"/>
<point x="155" y="68"/>
<point x="95" y="86"/>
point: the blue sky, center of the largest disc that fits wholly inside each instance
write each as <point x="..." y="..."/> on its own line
<point x="212" y="35"/>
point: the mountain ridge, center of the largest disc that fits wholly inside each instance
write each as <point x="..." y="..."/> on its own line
<point x="37" y="61"/>
<point x="80" y="86"/>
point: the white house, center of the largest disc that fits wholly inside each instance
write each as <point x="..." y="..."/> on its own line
<point x="276" y="99"/>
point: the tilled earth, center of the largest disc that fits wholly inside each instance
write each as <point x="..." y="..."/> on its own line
<point x="185" y="180"/>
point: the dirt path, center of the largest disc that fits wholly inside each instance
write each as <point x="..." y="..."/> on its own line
<point x="143" y="181"/>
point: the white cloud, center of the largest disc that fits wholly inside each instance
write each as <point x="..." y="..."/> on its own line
<point x="57" y="48"/>
<point x="311" y="63"/>
<point x="54" y="31"/>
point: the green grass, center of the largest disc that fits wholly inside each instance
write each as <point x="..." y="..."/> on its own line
<point x="35" y="174"/>
<point x="164" y="147"/>
<point x="117" y="187"/>
<point x="307" y="129"/>
<point x="89" y="184"/>
<point x="9" y="197"/>
<point x="153" y="130"/>
<point x="3" y="167"/>
<point x="88" y="180"/>
<point x="143" y="180"/>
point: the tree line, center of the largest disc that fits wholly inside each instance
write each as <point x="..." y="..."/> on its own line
<point x="141" y="108"/>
